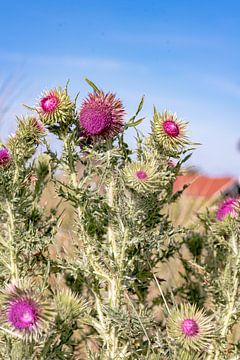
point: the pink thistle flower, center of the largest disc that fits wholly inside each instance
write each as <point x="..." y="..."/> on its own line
<point x="101" y="115"/>
<point x="190" y="328"/>
<point x="227" y="207"/>
<point x="50" y="102"/>
<point x="171" y="128"/>
<point x="168" y="131"/>
<point x="25" y="312"/>
<point x="5" y="157"/>
<point x="142" y="177"/>
<point x="55" y="107"/>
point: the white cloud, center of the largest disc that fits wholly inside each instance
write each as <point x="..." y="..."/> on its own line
<point x="108" y="64"/>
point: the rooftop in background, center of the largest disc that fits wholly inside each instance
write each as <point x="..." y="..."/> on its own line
<point x="204" y="186"/>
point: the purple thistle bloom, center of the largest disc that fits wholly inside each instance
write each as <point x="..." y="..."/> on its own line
<point x="5" y="157"/>
<point x="169" y="131"/>
<point x="190" y="327"/>
<point x="50" y="102"/>
<point x="226" y="207"/>
<point x="26" y="312"/>
<point x="101" y="115"/>
<point x="23" y="313"/>
<point x="171" y="128"/>
<point x="141" y="175"/>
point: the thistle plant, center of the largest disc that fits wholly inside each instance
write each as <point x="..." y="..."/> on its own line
<point x="102" y="296"/>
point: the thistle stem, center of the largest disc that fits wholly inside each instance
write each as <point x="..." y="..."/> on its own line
<point x="232" y="299"/>
<point x="13" y="265"/>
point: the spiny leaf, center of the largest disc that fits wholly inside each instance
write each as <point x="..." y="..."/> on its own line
<point x="138" y="110"/>
<point x="134" y="123"/>
<point x="95" y="88"/>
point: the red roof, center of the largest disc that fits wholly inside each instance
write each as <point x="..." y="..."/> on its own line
<point x="203" y="185"/>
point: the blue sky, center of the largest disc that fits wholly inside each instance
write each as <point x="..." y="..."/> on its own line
<point x="184" y="55"/>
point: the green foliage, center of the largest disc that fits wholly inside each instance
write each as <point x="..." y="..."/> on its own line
<point x="109" y="299"/>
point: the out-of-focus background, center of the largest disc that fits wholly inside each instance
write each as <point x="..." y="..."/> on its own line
<point x="183" y="55"/>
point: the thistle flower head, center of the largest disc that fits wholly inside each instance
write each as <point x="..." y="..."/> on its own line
<point x="168" y="131"/>
<point x="101" y="115"/>
<point x="190" y="327"/>
<point x="55" y="107"/>
<point x="29" y="132"/>
<point x="227" y="207"/>
<point x="24" y="312"/>
<point x="50" y="102"/>
<point x="142" y="176"/>
<point x="5" y="157"/>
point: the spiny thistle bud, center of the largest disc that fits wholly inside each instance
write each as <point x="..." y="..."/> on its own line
<point x="68" y="305"/>
<point x="101" y="115"/>
<point x="168" y="131"/>
<point x="142" y="177"/>
<point x="227" y="207"/>
<point x="55" y="107"/>
<point x="5" y="157"/>
<point x="38" y="125"/>
<point x="25" y="312"/>
<point x="190" y="327"/>
<point x="28" y="135"/>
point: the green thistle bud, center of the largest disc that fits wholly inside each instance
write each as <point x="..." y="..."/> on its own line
<point x="68" y="305"/>
<point x="142" y="176"/>
<point x="190" y="327"/>
<point x="168" y="131"/>
<point x="28" y="135"/>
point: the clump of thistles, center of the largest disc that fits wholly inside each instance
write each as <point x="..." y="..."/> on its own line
<point x="25" y="312"/>
<point x="101" y="115"/>
<point x="190" y="328"/>
<point x="5" y="157"/>
<point x="142" y="176"/>
<point x="227" y="207"/>
<point x="55" y="107"/>
<point x="168" y="131"/>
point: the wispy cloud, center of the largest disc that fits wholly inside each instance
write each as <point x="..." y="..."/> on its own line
<point x="109" y="64"/>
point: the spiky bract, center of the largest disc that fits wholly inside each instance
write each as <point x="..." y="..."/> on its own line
<point x="142" y="176"/>
<point x="25" y="312"/>
<point x="30" y="129"/>
<point x="227" y="207"/>
<point x="101" y="115"/>
<point x="190" y="327"/>
<point x="183" y="354"/>
<point x="55" y="107"/>
<point x="28" y="135"/>
<point x="68" y="304"/>
<point x="168" y="131"/>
